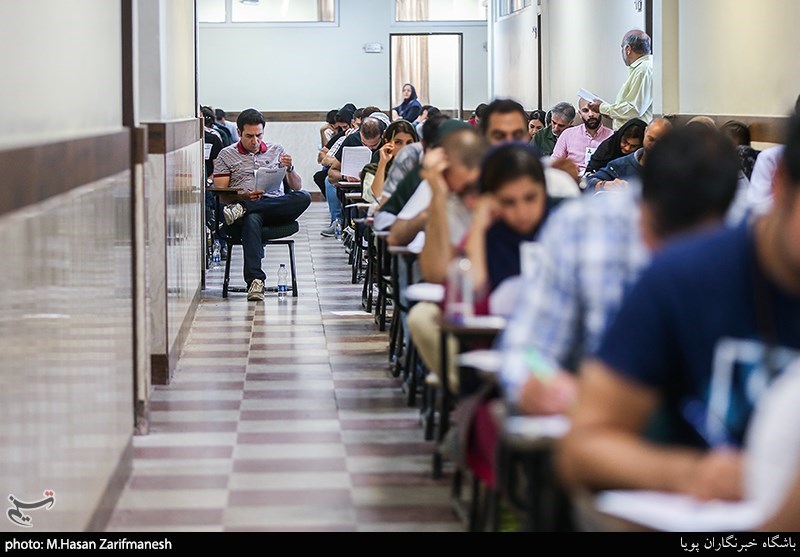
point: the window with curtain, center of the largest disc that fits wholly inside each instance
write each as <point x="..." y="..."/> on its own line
<point x="440" y="10"/>
<point x="268" y="11"/>
<point x="508" y="7"/>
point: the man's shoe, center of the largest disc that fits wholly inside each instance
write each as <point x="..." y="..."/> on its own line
<point x="255" y="293"/>
<point x="329" y="232"/>
<point x="232" y="213"/>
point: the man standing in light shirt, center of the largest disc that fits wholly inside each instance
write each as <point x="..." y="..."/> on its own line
<point x="579" y="143"/>
<point x="635" y="98"/>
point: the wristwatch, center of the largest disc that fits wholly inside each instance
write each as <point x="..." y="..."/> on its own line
<point x="290" y="169"/>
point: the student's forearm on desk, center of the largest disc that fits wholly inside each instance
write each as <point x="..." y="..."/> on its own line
<point x="404" y="231"/>
<point x="436" y="255"/>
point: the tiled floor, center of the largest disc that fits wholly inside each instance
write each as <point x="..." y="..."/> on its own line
<point x="283" y="416"/>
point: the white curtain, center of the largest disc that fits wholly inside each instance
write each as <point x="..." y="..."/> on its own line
<point x="325" y="10"/>
<point x="412" y="53"/>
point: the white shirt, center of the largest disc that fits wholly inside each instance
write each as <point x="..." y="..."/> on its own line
<point x="760" y="193"/>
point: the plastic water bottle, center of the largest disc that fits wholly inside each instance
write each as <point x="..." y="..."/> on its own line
<point x="216" y="257"/>
<point x="283" y="276"/>
<point x="459" y="306"/>
<point x="337" y="230"/>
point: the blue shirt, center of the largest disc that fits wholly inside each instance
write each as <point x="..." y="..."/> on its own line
<point x="625" y="168"/>
<point x="690" y="330"/>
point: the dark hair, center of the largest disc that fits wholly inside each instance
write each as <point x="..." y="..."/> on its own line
<point x="425" y="107"/>
<point x="480" y="110"/>
<point x="548" y="118"/>
<point x="691" y="175"/>
<point x="250" y="117"/>
<point x="358" y="114"/>
<point x="208" y="116"/>
<point x="349" y="107"/>
<point x="400" y="126"/>
<point x="791" y="153"/>
<point x="430" y="129"/>
<point x="537" y="115"/>
<point x="501" y="106"/>
<point x="737" y="131"/>
<point x="509" y="162"/>
<point x="432" y="111"/>
<point x="370" y="110"/>
<point x="343" y="117"/>
<point x="331" y="117"/>
<point x="219" y="113"/>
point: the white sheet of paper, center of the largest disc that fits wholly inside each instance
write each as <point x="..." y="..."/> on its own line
<point x="349" y="313"/>
<point x="672" y="512"/>
<point x="587" y="95"/>
<point x="207" y="150"/>
<point x="354" y="159"/>
<point x="270" y="180"/>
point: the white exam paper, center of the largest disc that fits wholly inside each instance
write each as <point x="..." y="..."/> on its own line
<point x="588" y="95"/>
<point x="354" y="159"/>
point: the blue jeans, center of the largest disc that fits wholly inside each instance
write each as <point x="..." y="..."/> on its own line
<point x="267" y="211"/>
<point x="334" y="205"/>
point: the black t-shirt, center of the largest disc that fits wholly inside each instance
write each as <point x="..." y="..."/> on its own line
<point x="353" y="140"/>
<point x="336" y="137"/>
<point x="216" y="147"/>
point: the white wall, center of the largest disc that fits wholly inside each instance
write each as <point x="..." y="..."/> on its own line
<point x="166" y="60"/>
<point x="282" y="68"/>
<point x="582" y="41"/>
<point x="515" y="58"/>
<point x="65" y="79"/>
<point x="739" y="56"/>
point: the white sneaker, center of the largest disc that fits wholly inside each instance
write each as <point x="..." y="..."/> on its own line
<point x="232" y="213"/>
<point x="330" y="231"/>
<point x="255" y="293"/>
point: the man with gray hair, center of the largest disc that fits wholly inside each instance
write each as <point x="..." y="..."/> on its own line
<point x="562" y="116"/>
<point x="635" y="98"/>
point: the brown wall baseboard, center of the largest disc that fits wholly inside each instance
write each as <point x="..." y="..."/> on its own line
<point x="183" y="334"/>
<point x="36" y="173"/>
<point x="166" y="137"/>
<point x="763" y="129"/>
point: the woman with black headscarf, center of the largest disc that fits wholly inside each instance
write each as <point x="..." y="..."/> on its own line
<point x="625" y="141"/>
<point x="410" y="108"/>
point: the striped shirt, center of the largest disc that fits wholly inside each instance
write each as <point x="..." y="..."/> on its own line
<point x="241" y="165"/>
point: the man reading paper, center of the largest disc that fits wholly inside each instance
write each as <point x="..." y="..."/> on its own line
<point x="238" y="166"/>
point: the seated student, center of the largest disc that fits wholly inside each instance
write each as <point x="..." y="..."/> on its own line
<point x="369" y="134"/>
<point x="405" y="173"/>
<point x="579" y="143"/>
<point x="442" y="209"/>
<point x="561" y="117"/>
<point x="427" y="112"/>
<point x="536" y="122"/>
<point x="619" y="172"/>
<point x="410" y="108"/>
<point x="626" y="140"/>
<point x="511" y="210"/>
<point x="593" y="251"/>
<point x="220" y="116"/>
<point x="328" y="129"/>
<point x="739" y="133"/>
<point x="706" y="329"/>
<point x="236" y="166"/>
<point x="397" y="137"/>
<point x="341" y="126"/>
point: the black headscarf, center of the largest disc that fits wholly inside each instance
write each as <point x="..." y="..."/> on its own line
<point x="610" y="149"/>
